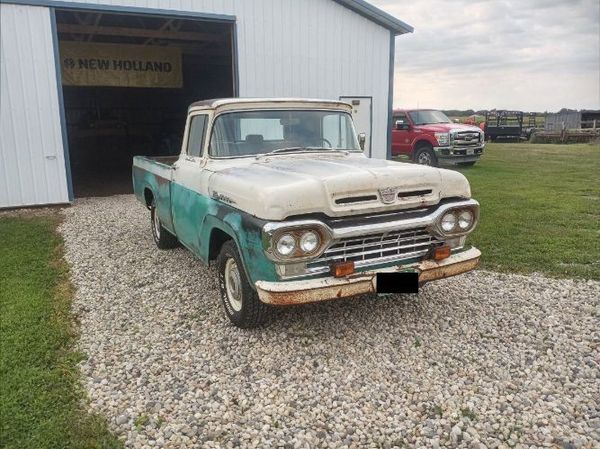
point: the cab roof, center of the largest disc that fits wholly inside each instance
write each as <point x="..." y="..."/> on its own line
<point x="246" y="103"/>
<point x="415" y="109"/>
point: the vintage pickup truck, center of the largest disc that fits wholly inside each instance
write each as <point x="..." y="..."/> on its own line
<point x="280" y="195"/>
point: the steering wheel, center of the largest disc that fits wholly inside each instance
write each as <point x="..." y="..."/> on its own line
<point x="323" y="139"/>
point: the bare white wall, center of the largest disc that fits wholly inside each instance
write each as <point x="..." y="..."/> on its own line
<point x="286" y="48"/>
<point x="32" y="165"/>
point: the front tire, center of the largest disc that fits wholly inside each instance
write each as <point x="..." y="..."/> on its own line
<point x="424" y="155"/>
<point x="240" y="300"/>
<point x="163" y="238"/>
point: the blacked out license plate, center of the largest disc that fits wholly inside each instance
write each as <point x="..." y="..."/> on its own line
<point x="403" y="282"/>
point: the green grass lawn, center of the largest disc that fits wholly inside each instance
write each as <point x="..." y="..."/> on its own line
<point x="41" y="400"/>
<point x="540" y="208"/>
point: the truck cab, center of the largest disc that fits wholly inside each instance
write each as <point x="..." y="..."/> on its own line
<point x="429" y="137"/>
<point x="279" y="196"/>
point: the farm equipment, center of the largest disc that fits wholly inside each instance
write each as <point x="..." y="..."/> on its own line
<point x="503" y="125"/>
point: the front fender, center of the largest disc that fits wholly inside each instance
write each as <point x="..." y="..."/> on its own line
<point x="424" y="138"/>
<point x="246" y="231"/>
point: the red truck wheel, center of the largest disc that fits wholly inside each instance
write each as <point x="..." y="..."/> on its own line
<point x="424" y="155"/>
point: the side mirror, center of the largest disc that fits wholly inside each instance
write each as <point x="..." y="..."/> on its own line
<point x="401" y="125"/>
<point x="362" y="138"/>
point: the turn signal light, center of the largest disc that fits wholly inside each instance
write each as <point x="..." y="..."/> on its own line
<point x="340" y="269"/>
<point x="443" y="252"/>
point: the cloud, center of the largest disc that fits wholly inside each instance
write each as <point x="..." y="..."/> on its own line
<point x="534" y="55"/>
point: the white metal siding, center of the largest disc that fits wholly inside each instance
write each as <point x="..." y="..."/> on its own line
<point x="286" y="48"/>
<point x="32" y="166"/>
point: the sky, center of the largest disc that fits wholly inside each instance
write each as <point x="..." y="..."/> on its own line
<point x="530" y="55"/>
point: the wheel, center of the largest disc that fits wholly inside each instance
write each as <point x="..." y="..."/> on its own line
<point x="425" y="156"/>
<point x="240" y="300"/>
<point x="466" y="164"/>
<point x="163" y="238"/>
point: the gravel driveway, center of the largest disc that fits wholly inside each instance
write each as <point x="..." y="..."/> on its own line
<point x="481" y="360"/>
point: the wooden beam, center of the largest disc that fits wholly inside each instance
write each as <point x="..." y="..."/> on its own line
<point x="96" y="22"/>
<point x="164" y="26"/>
<point x="138" y="32"/>
<point x="191" y="49"/>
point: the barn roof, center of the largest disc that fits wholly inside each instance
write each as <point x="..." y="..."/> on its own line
<point x="376" y="15"/>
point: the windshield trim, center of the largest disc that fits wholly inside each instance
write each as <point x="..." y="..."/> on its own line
<point x="214" y="118"/>
<point x="418" y="111"/>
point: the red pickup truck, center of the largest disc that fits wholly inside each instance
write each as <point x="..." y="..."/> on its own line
<point x="429" y="137"/>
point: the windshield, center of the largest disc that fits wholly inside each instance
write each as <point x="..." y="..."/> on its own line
<point x="257" y="132"/>
<point x="428" y="117"/>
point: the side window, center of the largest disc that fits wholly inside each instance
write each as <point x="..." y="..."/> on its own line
<point x="400" y="118"/>
<point x="335" y="131"/>
<point x="196" y="135"/>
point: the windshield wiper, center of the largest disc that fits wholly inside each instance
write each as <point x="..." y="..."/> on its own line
<point x="291" y="149"/>
<point x="300" y="150"/>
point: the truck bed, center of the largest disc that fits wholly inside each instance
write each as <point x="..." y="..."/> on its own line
<point x="160" y="166"/>
<point x="153" y="174"/>
<point x="162" y="160"/>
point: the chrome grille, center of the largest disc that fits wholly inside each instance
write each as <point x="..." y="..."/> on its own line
<point x="466" y="139"/>
<point x="376" y="249"/>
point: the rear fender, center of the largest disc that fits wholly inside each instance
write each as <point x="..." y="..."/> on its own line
<point x="160" y="187"/>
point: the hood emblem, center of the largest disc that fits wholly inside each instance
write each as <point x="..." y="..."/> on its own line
<point x="388" y="195"/>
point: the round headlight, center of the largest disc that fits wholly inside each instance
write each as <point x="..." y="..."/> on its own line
<point x="286" y="245"/>
<point x="309" y="241"/>
<point x="465" y="219"/>
<point x="448" y="222"/>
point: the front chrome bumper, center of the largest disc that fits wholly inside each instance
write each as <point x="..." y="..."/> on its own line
<point x="323" y="289"/>
<point x="459" y="153"/>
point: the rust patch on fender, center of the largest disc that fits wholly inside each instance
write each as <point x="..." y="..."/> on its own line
<point x="326" y="293"/>
<point x="431" y="271"/>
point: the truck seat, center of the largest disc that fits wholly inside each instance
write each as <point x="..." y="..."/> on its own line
<point x="254" y="143"/>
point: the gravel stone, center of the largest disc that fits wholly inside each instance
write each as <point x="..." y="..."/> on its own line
<point x="505" y="360"/>
<point x="122" y="419"/>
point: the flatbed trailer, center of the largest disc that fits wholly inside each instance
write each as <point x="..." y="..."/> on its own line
<point x="503" y="124"/>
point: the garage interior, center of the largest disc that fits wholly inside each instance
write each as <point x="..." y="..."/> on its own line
<point x="107" y="125"/>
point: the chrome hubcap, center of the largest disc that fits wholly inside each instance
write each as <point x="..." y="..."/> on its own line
<point x="424" y="159"/>
<point x="156" y="225"/>
<point x="233" y="284"/>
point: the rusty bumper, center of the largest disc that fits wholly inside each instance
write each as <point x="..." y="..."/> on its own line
<point x="324" y="289"/>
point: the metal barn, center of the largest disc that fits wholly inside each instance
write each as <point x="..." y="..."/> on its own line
<point x="570" y="119"/>
<point x="85" y="85"/>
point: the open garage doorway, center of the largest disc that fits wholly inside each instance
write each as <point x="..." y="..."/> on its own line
<point x="127" y="82"/>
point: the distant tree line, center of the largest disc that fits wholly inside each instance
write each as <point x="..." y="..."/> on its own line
<point x="469" y="112"/>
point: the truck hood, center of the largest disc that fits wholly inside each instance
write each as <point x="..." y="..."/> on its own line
<point x="277" y="187"/>
<point x="446" y="127"/>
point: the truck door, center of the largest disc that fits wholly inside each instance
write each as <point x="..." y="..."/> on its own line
<point x="401" y="138"/>
<point x="188" y="203"/>
<point x="362" y="110"/>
